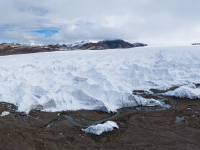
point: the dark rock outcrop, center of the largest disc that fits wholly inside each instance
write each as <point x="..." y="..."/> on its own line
<point x="196" y="44"/>
<point x="139" y="45"/>
<point x="108" y="44"/>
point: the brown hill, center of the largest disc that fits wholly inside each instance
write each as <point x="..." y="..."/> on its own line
<point x="14" y="48"/>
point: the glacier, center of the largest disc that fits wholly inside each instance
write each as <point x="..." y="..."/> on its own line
<point x="95" y="80"/>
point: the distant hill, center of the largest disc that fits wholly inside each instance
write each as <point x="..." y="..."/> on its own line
<point x="107" y="44"/>
<point x="14" y="48"/>
<point x="196" y="44"/>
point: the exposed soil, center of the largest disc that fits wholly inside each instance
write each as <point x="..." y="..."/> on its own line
<point x="137" y="130"/>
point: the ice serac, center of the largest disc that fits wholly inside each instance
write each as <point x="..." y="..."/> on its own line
<point x="185" y="92"/>
<point x="95" y="80"/>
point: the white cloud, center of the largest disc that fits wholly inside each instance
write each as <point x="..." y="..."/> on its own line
<point x="149" y="21"/>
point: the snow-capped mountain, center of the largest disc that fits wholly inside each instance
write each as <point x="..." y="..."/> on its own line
<point x="107" y="44"/>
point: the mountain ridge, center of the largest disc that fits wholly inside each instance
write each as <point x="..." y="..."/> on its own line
<point x="15" y="48"/>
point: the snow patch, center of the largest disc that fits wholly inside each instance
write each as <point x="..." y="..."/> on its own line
<point x="101" y="128"/>
<point x="5" y="113"/>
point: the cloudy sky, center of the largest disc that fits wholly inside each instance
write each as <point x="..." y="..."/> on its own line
<point x="65" y="21"/>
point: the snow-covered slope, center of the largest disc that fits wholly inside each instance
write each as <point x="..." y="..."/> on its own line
<point x="103" y="80"/>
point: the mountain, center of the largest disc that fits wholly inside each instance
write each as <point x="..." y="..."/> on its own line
<point x="14" y="48"/>
<point x="107" y="44"/>
<point x="196" y="44"/>
<point x="139" y="44"/>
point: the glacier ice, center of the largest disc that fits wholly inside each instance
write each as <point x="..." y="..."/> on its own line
<point x="94" y="80"/>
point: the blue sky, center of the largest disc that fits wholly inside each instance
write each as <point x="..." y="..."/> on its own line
<point x="47" y="32"/>
<point x="7" y="40"/>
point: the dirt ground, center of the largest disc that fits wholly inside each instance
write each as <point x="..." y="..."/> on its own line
<point x="154" y="130"/>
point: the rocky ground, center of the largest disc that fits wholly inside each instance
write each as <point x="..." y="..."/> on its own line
<point x="137" y="129"/>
